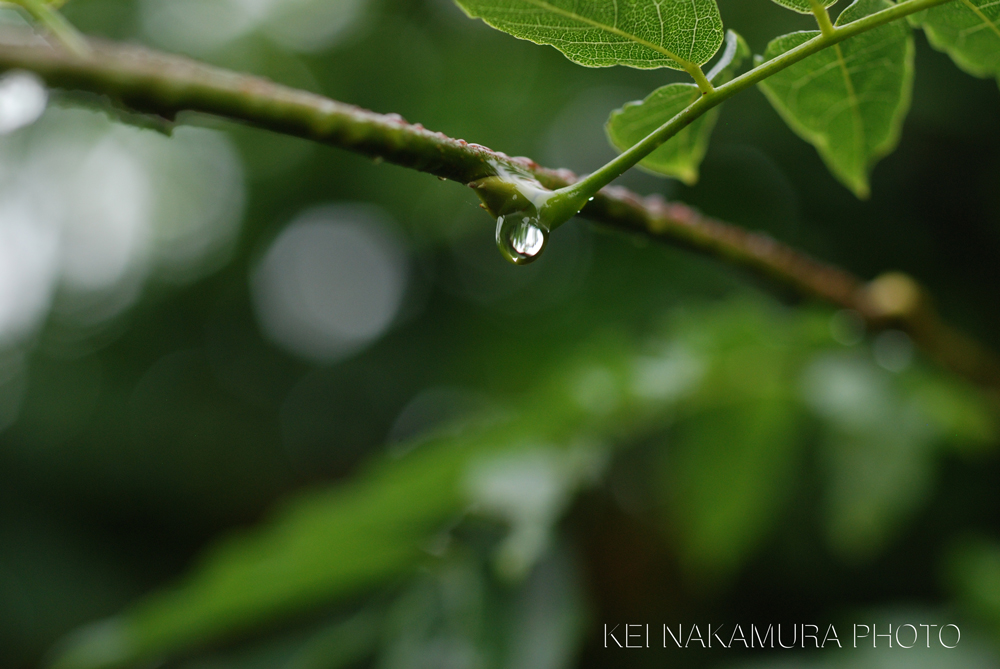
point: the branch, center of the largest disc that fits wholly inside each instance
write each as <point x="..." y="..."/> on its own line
<point x="572" y="198"/>
<point x="167" y="85"/>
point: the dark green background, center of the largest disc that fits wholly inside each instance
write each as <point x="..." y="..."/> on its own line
<point x="109" y="490"/>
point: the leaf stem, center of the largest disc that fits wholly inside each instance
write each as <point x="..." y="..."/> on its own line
<point x="57" y="24"/>
<point x="577" y="194"/>
<point x="165" y="85"/>
<point x="822" y="17"/>
<point x="704" y="85"/>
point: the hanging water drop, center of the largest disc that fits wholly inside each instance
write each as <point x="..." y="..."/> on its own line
<point x="520" y="238"/>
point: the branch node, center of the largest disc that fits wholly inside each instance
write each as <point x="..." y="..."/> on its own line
<point x="895" y="296"/>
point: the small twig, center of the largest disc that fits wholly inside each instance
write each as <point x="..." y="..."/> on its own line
<point x="166" y="85"/>
<point x="571" y="199"/>
<point x="704" y="85"/>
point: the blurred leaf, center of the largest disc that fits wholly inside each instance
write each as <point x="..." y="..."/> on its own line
<point x="968" y="31"/>
<point x="802" y="6"/>
<point x="973" y="572"/>
<point x="879" y="444"/>
<point x="875" y="483"/>
<point x="441" y="621"/>
<point x="339" y="645"/>
<point x="530" y="490"/>
<point x="882" y="433"/>
<point x="959" y="412"/>
<point x="681" y="155"/>
<point x="597" y="33"/>
<point x="328" y="544"/>
<point x="324" y="545"/>
<point x="733" y="469"/>
<point x="733" y="458"/>
<point x="849" y="100"/>
<point x="726" y="376"/>
<point x="457" y="617"/>
<point x="327" y="646"/>
<point x="548" y="617"/>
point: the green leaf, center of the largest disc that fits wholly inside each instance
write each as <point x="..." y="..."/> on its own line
<point x="681" y="155"/>
<point x="877" y="450"/>
<point x="341" y="541"/>
<point x="325" y="545"/>
<point x="734" y="468"/>
<point x="600" y="33"/>
<point x="958" y="412"/>
<point x="334" y="543"/>
<point x="732" y="462"/>
<point x="849" y="100"/>
<point x="973" y="572"/>
<point x="968" y="31"/>
<point x="678" y="157"/>
<point x="457" y="611"/>
<point x="802" y="6"/>
<point x="522" y="468"/>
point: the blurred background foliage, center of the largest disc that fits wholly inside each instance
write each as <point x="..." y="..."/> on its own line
<point x="268" y="404"/>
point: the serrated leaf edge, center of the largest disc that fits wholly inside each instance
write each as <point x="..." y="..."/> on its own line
<point x="957" y="57"/>
<point x="541" y="4"/>
<point x="859" y="186"/>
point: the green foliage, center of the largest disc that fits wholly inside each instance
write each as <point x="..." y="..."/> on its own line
<point x="849" y="101"/>
<point x="455" y="545"/>
<point x="727" y="381"/>
<point x="297" y="562"/>
<point x="973" y="572"/>
<point x="876" y="452"/>
<point x="968" y="31"/>
<point x="881" y="440"/>
<point x="681" y="155"/>
<point x="678" y="157"/>
<point x="725" y="494"/>
<point x="598" y="33"/>
<point x="803" y="6"/>
<point x="521" y="469"/>
<point x="458" y="611"/>
<point x="957" y="412"/>
<point x="325" y="546"/>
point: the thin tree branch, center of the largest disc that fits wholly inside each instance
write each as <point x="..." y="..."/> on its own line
<point x="711" y="99"/>
<point x="166" y="85"/>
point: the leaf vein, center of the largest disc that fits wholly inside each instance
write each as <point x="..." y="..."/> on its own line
<point x="541" y="4"/>
<point x="985" y="19"/>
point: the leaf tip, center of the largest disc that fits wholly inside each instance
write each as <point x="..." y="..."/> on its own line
<point x="862" y="190"/>
<point x="688" y="177"/>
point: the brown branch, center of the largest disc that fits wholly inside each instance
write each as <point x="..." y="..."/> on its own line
<point x="166" y="86"/>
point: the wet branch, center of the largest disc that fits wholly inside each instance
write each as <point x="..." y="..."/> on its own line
<point x="165" y="86"/>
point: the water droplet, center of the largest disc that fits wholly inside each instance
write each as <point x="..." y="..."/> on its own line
<point x="520" y="238"/>
<point x="590" y="199"/>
